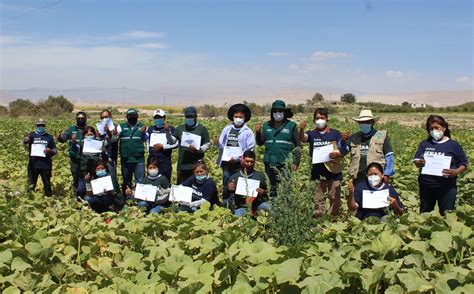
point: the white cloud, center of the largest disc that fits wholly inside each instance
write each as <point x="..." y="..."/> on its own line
<point x="142" y="35"/>
<point x="293" y="67"/>
<point x="394" y="74"/>
<point x="321" y="55"/>
<point x="463" y="79"/>
<point x="153" y="45"/>
<point x="278" y="54"/>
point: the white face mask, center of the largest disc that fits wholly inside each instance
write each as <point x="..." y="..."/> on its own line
<point x="374" y="180"/>
<point x="153" y="172"/>
<point x="278" y="116"/>
<point x="320" y="123"/>
<point x="437" y="135"/>
<point x="238" y="122"/>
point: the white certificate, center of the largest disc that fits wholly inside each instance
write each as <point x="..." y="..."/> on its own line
<point x="92" y="146"/>
<point x="158" y="138"/>
<point x="101" y="185"/>
<point x="375" y="199"/>
<point x="145" y="192"/>
<point x="231" y="152"/>
<point x="190" y="139"/>
<point x="321" y="154"/>
<point x="101" y="126"/>
<point x="38" y="150"/>
<point x="247" y="187"/>
<point x="181" y="193"/>
<point x="434" y="164"/>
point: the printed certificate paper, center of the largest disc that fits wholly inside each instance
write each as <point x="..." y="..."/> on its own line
<point x="92" y="146"/>
<point x="321" y="154"/>
<point x="247" y="187"/>
<point x="231" y="152"/>
<point x="191" y="139"/>
<point x="145" y="192"/>
<point x="181" y="193"/>
<point x="158" y="138"/>
<point x="434" y="164"/>
<point x="38" y="150"/>
<point x="102" y="185"/>
<point x="375" y="199"/>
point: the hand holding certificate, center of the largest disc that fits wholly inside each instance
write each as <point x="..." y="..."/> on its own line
<point x="375" y="199"/>
<point x="247" y="187"/>
<point x="231" y="152"/>
<point x="181" y="193"/>
<point x="321" y="153"/>
<point x="101" y="185"/>
<point x="92" y="146"/>
<point x="188" y="139"/>
<point x="145" y="192"/>
<point x="434" y="164"/>
<point x="38" y="150"/>
<point x="158" y="138"/>
<point x="106" y="122"/>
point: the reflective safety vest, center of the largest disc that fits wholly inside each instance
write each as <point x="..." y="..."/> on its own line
<point x="132" y="148"/>
<point x="278" y="143"/>
<point x="375" y="153"/>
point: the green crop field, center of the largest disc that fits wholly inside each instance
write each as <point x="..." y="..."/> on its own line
<point x="57" y="244"/>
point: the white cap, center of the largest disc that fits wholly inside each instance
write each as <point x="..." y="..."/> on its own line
<point x="159" y="112"/>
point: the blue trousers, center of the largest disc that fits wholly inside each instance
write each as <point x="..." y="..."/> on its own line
<point x="445" y="196"/>
<point x="130" y="170"/>
<point x="150" y="206"/>
<point x="243" y="210"/>
<point x="100" y="203"/>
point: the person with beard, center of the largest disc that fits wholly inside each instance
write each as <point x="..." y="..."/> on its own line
<point x="189" y="155"/>
<point x="236" y="135"/>
<point x="161" y="153"/>
<point x="40" y="164"/>
<point x="241" y="202"/>
<point x="77" y="131"/>
<point x="132" y="136"/>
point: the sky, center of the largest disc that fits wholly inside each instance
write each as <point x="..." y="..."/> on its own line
<point x="354" y="45"/>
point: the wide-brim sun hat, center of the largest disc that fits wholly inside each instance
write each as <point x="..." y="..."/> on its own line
<point x="280" y="104"/>
<point x="366" y="115"/>
<point x="335" y="166"/>
<point x="239" y="107"/>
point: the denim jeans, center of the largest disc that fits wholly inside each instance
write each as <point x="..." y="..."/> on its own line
<point x="150" y="206"/>
<point x="100" y="203"/>
<point x="228" y="202"/>
<point x="243" y="210"/>
<point x="445" y="196"/>
<point x="129" y="170"/>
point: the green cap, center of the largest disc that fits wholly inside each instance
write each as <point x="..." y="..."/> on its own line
<point x="132" y="111"/>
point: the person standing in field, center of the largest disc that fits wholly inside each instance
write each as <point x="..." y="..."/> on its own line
<point x="366" y="146"/>
<point x="281" y="138"/>
<point x="236" y="136"/>
<point x="194" y="141"/>
<point x="161" y="152"/>
<point x="111" y="148"/>
<point x="76" y="130"/>
<point x="441" y="187"/>
<point x="329" y="173"/>
<point x="40" y="163"/>
<point x="132" y="136"/>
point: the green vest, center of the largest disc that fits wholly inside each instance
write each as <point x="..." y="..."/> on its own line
<point x="132" y="148"/>
<point x="79" y="138"/>
<point x="278" y="143"/>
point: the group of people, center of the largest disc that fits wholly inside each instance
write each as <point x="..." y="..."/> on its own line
<point x="244" y="189"/>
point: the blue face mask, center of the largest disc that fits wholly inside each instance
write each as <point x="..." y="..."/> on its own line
<point x="101" y="173"/>
<point x="365" y="128"/>
<point x="190" y="122"/>
<point x="201" y="178"/>
<point x="159" y="122"/>
<point x="40" y="130"/>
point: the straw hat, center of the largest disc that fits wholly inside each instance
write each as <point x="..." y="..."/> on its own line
<point x="366" y="115"/>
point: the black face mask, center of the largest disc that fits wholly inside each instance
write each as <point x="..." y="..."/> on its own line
<point x="81" y="122"/>
<point x="132" y="120"/>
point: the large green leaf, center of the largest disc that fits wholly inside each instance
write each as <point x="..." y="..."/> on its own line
<point x="441" y="241"/>
<point x="289" y="270"/>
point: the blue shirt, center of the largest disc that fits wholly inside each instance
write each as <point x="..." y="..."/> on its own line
<point x="206" y="190"/>
<point x="363" y="213"/>
<point x="38" y="162"/>
<point x="447" y="148"/>
<point x="318" y="139"/>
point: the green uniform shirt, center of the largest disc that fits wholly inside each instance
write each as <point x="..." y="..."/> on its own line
<point x="186" y="158"/>
<point x="132" y="148"/>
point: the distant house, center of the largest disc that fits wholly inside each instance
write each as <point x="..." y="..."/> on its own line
<point x="418" y="105"/>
